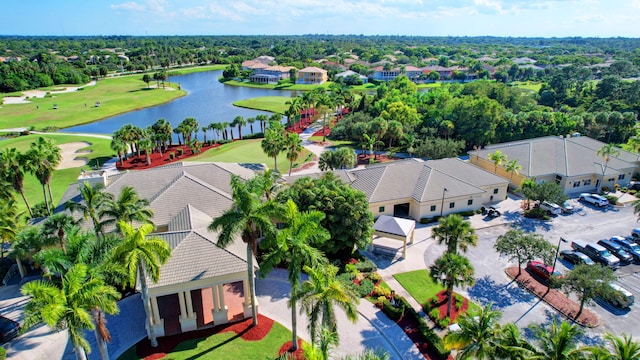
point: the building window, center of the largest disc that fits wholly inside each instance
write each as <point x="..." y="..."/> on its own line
<point x="621" y="177"/>
<point x="612" y="179"/>
<point x="586" y="182"/>
<point x="495" y="191"/>
<point x="558" y="179"/>
<point x="381" y="209"/>
<point x="576" y="184"/>
<point x="433" y="208"/>
<point x="452" y="205"/>
<point x="470" y="202"/>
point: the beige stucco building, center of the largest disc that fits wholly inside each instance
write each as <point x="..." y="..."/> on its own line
<point x="570" y="161"/>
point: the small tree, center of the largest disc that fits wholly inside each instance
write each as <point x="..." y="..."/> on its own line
<point x="147" y="78"/>
<point x="522" y="247"/>
<point x="497" y="158"/>
<point x="587" y="282"/>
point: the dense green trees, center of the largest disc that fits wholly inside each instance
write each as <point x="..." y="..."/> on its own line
<point x="522" y="247"/>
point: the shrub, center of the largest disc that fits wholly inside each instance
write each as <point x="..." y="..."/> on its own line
<point x="375" y="277"/>
<point x="604" y="189"/>
<point x="624" y="189"/>
<point x="3" y="353"/>
<point x="536" y="213"/>
<point x="394" y="313"/>
<point x="459" y="301"/>
<point x="467" y="213"/>
<point x="366" y="265"/>
<point x="633" y="192"/>
<point x="365" y="288"/>
<point x="380" y="301"/>
<point x="434" y="314"/>
<point x="429" y="220"/>
<point x="257" y="135"/>
<point x="381" y="291"/>
<point x="612" y="199"/>
<point x="172" y="156"/>
<point x="50" y="129"/>
<point x="443" y="323"/>
<point x="180" y="151"/>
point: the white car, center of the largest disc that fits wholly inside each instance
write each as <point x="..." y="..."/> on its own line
<point x="551" y="208"/>
<point x="594" y="199"/>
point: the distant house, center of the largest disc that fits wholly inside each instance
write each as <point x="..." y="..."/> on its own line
<point x="271" y="74"/>
<point x="312" y="75"/>
<point x="523" y="61"/>
<point x="424" y="189"/>
<point x="412" y="72"/>
<point x="255" y="66"/>
<point x="348" y="73"/>
<point x="570" y="161"/>
<point x="379" y="73"/>
<point x="445" y="72"/>
<point x="202" y="284"/>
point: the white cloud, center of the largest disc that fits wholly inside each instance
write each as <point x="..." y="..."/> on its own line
<point x="129" y="6"/>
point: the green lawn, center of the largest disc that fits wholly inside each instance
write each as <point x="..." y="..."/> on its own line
<point x="226" y="345"/>
<point x="100" y="152"/>
<point x="196" y="69"/>
<point x="247" y="151"/>
<point x="528" y="85"/>
<point x="421" y="286"/>
<point x="430" y="85"/>
<point x="275" y="104"/>
<point x="116" y="96"/>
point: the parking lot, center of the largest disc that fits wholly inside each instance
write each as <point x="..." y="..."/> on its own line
<point x="586" y="223"/>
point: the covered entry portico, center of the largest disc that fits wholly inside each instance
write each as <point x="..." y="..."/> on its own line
<point x="393" y="228"/>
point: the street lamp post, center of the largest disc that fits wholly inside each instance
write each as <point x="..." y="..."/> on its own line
<point x="553" y="268"/>
<point x="444" y="190"/>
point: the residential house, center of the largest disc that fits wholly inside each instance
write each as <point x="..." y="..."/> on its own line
<point x="255" y="66"/>
<point x="312" y="75"/>
<point x="348" y="73"/>
<point x="379" y="73"/>
<point x="570" y="161"/>
<point x="271" y="74"/>
<point x="202" y="284"/>
<point x="413" y="73"/>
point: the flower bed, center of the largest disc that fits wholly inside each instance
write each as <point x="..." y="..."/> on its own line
<point x="135" y="162"/>
<point x="436" y="308"/>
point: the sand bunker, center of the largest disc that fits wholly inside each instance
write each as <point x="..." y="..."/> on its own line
<point x="69" y="152"/>
<point x="39" y="94"/>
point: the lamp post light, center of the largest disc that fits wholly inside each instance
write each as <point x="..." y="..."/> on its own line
<point x="444" y="190"/>
<point x="555" y="259"/>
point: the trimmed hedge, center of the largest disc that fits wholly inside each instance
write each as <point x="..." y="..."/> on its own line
<point x="428" y="335"/>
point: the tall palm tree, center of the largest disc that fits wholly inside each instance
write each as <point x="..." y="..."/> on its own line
<point x="27" y="242"/>
<point x="42" y="159"/>
<point x="56" y="227"/>
<point x="320" y="293"/>
<point x="240" y="122"/>
<point x="497" y="158"/>
<point x="512" y="345"/>
<point x="120" y="147"/>
<point x="93" y="199"/>
<point x="295" y="246"/>
<point x="249" y="217"/>
<point x="624" y="347"/>
<point x="142" y="256"/>
<point x="513" y="167"/>
<point x="477" y="337"/>
<point x="606" y="152"/>
<point x="452" y="270"/>
<point x="455" y="232"/>
<point x="128" y="207"/>
<point x="69" y="305"/>
<point x="250" y="121"/>
<point x="293" y="147"/>
<point x="12" y="169"/>
<point x="262" y="119"/>
<point x="558" y="341"/>
<point x="273" y="142"/>
<point x="295" y="105"/>
<point x="147" y="146"/>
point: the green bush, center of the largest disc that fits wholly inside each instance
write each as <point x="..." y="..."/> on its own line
<point x="365" y="288"/>
<point x="366" y="265"/>
<point x="172" y="156"/>
<point x="467" y="213"/>
<point x="434" y="314"/>
<point x="257" y="135"/>
<point x="3" y="353"/>
<point x="443" y="323"/>
<point x="429" y="336"/>
<point x="632" y="192"/>
<point x="394" y="313"/>
<point x="459" y="301"/>
<point x="373" y="276"/>
<point x="612" y="199"/>
<point x="536" y="213"/>
<point x="381" y="291"/>
<point x="180" y="151"/>
<point x="428" y="220"/>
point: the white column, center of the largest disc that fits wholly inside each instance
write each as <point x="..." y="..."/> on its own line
<point x="187" y="316"/>
<point x="221" y="293"/>
<point x="183" y="310"/>
<point x="214" y="293"/>
<point x="154" y="309"/>
<point x="189" y="303"/>
<point x="247" y="298"/>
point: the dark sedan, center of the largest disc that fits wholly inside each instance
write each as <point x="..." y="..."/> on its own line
<point x="575" y="257"/>
<point x="8" y="329"/>
<point x="629" y="245"/>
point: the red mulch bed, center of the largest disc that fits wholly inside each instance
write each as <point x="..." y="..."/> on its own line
<point x="168" y="343"/>
<point x="304" y="166"/>
<point x="442" y="305"/>
<point x="140" y="162"/>
<point x="363" y="159"/>
<point x="286" y="347"/>
<point x="556" y="299"/>
<point x="319" y="132"/>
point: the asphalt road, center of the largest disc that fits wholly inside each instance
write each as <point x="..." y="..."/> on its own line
<point x="522" y="308"/>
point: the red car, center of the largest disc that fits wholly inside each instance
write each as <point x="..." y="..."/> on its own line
<point x="542" y="271"/>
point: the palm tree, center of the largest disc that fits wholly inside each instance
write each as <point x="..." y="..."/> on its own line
<point x="293" y="147"/>
<point x="120" y="148"/>
<point x="327" y="161"/>
<point x="179" y="130"/>
<point x="42" y="159"/>
<point x="369" y="142"/>
<point x="452" y="270"/>
<point x="295" y="105"/>
<point x="526" y="187"/>
<point x="249" y="217"/>
<point x="69" y="305"/>
<point x="624" y="347"/>
<point x="394" y="131"/>
<point x="129" y="207"/>
<point x="56" y="226"/>
<point x="558" y="342"/>
<point x="9" y="223"/>
<point x="513" y="167"/>
<point x="455" y="232"/>
<point x="262" y="118"/>
<point x="250" y="121"/>
<point x="477" y="337"/>
<point x="93" y="200"/>
<point x="27" y="242"/>
<point x="12" y="169"/>
<point x="512" y="345"/>
<point x="606" y="152"/>
<point x="320" y="293"/>
<point x="497" y="158"/>
<point x="147" y="146"/>
<point x="239" y="121"/>
<point x="294" y="245"/>
<point x="273" y="142"/>
<point x="142" y="257"/>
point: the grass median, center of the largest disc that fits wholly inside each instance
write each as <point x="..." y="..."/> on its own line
<point x="275" y="104"/>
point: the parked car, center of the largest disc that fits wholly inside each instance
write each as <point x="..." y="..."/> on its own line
<point x="551" y="208"/>
<point x="619" y="297"/>
<point x="576" y="257"/>
<point x="594" y="199"/>
<point x="543" y="272"/>
<point x="596" y="252"/>
<point x="634" y="186"/>
<point x="617" y="250"/>
<point x="635" y="233"/>
<point x="8" y="329"/>
<point x="567" y="208"/>
<point x="629" y="245"/>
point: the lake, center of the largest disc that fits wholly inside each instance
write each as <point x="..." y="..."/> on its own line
<point x="207" y="100"/>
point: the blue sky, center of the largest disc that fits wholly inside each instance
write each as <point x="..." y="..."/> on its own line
<point x="546" y="18"/>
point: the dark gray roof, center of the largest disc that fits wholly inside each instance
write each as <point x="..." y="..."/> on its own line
<point x="566" y="156"/>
